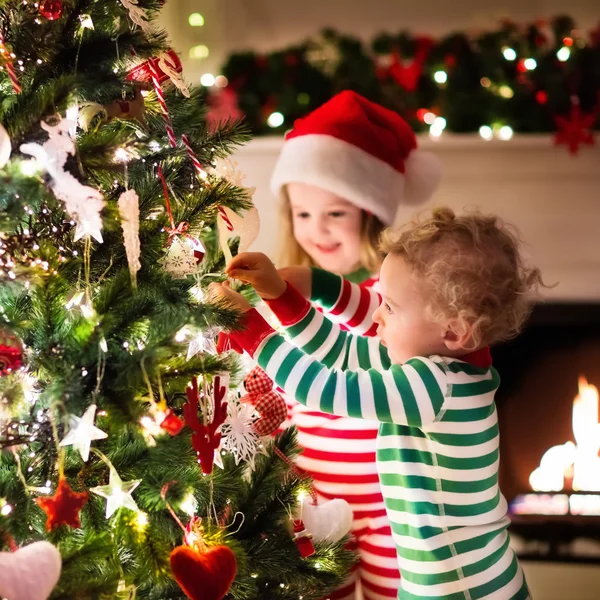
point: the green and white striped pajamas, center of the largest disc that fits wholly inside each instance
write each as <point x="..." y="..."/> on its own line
<point x="437" y="449"/>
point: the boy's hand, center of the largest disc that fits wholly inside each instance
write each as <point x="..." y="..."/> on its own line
<point x="300" y="278"/>
<point x="257" y="269"/>
<point x="223" y="292"/>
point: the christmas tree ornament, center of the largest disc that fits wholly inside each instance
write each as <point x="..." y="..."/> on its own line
<point x="117" y="493"/>
<point x="11" y="353"/>
<point x="30" y="573"/>
<point x="266" y="401"/>
<point x="171" y="423"/>
<point x="124" y="110"/>
<point x="408" y="74"/>
<point x="83" y="432"/>
<point x="324" y="54"/>
<point x="303" y="539"/>
<point x="204" y="574"/>
<point x="179" y="260"/>
<point x="170" y="65"/>
<point x="327" y="522"/>
<point x="83" y="203"/>
<point x="63" y="508"/>
<point x="129" y="211"/>
<point x="576" y="129"/>
<point x="239" y="436"/>
<point x="138" y="15"/>
<point x="51" y="9"/>
<point x="203" y="343"/>
<point x="5" y="146"/>
<point x="206" y="437"/>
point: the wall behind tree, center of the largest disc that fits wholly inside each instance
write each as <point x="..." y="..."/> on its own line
<point x="262" y="25"/>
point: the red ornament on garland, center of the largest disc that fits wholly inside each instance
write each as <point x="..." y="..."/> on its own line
<point x="204" y="574"/>
<point x="576" y="129"/>
<point x="11" y="354"/>
<point x="63" y="508"/>
<point x="51" y="9"/>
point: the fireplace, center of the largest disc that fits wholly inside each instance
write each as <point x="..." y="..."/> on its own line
<point x="550" y="433"/>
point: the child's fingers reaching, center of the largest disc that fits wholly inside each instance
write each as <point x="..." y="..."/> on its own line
<point x="257" y="270"/>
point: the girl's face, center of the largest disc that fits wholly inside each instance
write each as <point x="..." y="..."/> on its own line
<point x="327" y="227"/>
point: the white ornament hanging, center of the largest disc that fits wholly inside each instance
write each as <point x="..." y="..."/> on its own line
<point x="83" y="432"/>
<point x="168" y="66"/>
<point x="179" y="260"/>
<point x="329" y="521"/>
<point x="129" y="210"/>
<point x="5" y="147"/>
<point x="117" y="493"/>
<point x="203" y="342"/>
<point x="237" y="434"/>
<point x="138" y="15"/>
<point x="30" y="573"/>
<point x="83" y="203"/>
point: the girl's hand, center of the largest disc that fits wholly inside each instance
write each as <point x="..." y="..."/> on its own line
<point x="257" y="269"/>
<point x="223" y="292"/>
<point x="300" y="278"/>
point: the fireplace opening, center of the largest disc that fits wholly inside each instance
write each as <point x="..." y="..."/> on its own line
<point x="548" y="410"/>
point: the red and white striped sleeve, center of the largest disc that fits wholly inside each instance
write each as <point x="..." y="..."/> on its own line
<point x="348" y="304"/>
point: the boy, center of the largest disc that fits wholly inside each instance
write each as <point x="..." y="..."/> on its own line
<point x="451" y="286"/>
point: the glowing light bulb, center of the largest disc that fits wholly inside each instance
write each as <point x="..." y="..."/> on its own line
<point x="440" y="77"/>
<point x="505" y="133"/>
<point x="207" y="80"/>
<point x="506" y="91"/>
<point x="121" y="155"/>
<point x="275" y="119"/>
<point x="196" y="20"/>
<point x="530" y="64"/>
<point x="429" y="118"/>
<point x="221" y="81"/>
<point x="486" y="132"/>
<point x="200" y="51"/>
<point x="6" y="510"/>
<point x="563" y="54"/>
<point x="509" y="53"/>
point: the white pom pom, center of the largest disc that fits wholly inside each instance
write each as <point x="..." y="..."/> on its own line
<point x="423" y="175"/>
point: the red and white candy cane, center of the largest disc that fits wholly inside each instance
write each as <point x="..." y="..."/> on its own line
<point x="9" y="66"/>
<point x="163" y="104"/>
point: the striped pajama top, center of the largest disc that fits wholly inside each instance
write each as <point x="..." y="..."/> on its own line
<point x="437" y="448"/>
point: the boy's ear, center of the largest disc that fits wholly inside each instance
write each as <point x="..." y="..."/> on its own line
<point x="458" y="335"/>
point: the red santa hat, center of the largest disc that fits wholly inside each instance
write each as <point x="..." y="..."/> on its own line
<point x="359" y="151"/>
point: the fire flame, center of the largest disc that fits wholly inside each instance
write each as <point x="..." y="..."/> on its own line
<point x="579" y="461"/>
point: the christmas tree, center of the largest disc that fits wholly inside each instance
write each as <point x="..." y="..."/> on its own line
<point x="114" y="402"/>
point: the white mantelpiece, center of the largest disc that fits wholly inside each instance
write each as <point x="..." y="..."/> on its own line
<point x="551" y="196"/>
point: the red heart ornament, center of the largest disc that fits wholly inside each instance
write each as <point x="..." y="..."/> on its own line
<point x="204" y="575"/>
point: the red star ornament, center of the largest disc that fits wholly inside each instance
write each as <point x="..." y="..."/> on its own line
<point x="63" y="508"/>
<point x="575" y="130"/>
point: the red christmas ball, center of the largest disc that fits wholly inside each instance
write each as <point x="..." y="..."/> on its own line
<point x="51" y="9"/>
<point x="11" y="353"/>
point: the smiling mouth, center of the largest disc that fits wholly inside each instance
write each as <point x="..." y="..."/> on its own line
<point x="327" y="249"/>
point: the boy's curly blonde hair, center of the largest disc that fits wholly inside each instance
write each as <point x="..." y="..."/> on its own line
<point x="473" y="269"/>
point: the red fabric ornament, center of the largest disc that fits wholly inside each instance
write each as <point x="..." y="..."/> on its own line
<point x="205" y="439"/>
<point x="63" y="508"/>
<point x="11" y="353"/>
<point x="268" y="403"/>
<point x="303" y="539"/>
<point x="143" y="72"/>
<point x="575" y="130"/>
<point x="172" y="424"/>
<point x="51" y="9"/>
<point x="225" y="343"/>
<point x="204" y="575"/>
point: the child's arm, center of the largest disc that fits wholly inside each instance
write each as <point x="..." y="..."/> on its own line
<point x="345" y="303"/>
<point x="315" y="334"/>
<point x="410" y="394"/>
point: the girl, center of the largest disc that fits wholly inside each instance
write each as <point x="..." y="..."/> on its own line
<point x="340" y="176"/>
